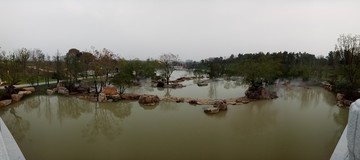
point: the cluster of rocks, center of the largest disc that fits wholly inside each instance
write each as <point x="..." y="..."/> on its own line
<point x="182" y="79"/>
<point x="18" y="96"/>
<point x="260" y="93"/>
<point x="162" y="84"/>
<point x="60" y="89"/>
<point x="149" y="100"/>
<point x="341" y="101"/>
<point x="202" y="83"/>
<point x="172" y="84"/>
<point x="217" y="107"/>
<point x="110" y="94"/>
<point x="327" y="85"/>
<point x="196" y="101"/>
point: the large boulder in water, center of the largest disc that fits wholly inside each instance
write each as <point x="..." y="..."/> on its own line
<point x="16" y="97"/>
<point x="5" y="102"/>
<point x="211" y="110"/>
<point x="63" y="90"/>
<point x="25" y="92"/>
<point x="149" y="99"/>
<point x="260" y="93"/>
<point x="130" y="96"/>
<point x="102" y="97"/>
<point x="32" y="89"/>
<point x="109" y="90"/>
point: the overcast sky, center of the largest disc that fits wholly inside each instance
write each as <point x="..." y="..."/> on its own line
<point x="193" y="29"/>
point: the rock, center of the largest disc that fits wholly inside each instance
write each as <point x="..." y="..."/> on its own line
<point x="174" y="85"/>
<point x="339" y="104"/>
<point x="231" y="103"/>
<point x="243" y="100"/>
<point x="102" y="97"/>
<point x="130" y="96"/>
<point x="114" y="98"/>
<point x="50" y="91"/>
<point x="160" y="84"/>
<point x="149" y="99"/>
<point x="202" y="84"/>
<point x="347" y="102"/>
<point x="193" y="101"/>
<point x="16" y="97"/>
<point x="25" y="92"/>
<point x="32" y="89"/>
<point x="180" y="100"/>
<point x="109" y="90"/>
<point x="6" y="102"/>
<point x="339" y="96"/>
<point x="221" y="105"/>
<point x="63" y="90"/>
<point x="211" y="110"/>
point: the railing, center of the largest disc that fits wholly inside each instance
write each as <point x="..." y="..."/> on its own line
<point x="9" y="150"/>
<point x="348" y="147"/>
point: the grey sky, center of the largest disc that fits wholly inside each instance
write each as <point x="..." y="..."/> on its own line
<point x="193" y="29"/>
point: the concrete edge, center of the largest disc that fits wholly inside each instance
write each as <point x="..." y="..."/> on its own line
<point x="341" y="151"/>
<point x="13" y="150"/>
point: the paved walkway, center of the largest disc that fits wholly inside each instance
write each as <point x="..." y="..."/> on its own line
<point x="28" y="85"/>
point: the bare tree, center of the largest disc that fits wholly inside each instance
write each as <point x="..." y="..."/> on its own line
<point x="167" y="65"/>
<point x="348" y="47"/>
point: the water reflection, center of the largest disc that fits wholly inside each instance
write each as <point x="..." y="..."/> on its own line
<point x="166" y="91"/>
<point x="213" y="89"/>
<point x="168" y="106"/>
<point x="307" y="97"/>
<point x="148" y="107"/>
<point x="71" y="107"/>
<point x="105" y="122"/>
<point x="300" y="124"/>
<point x="257" y="117"/>
<point x="31" y="104"/>
<point x="16" y="124"/>
<point x="120" y="109"/>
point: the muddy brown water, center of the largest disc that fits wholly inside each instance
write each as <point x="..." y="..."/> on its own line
<point x="300" y="124"/>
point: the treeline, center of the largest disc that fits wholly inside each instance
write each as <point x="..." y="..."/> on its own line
<point x="261" y="66"/>
<point x="340" y="67"/>
<point x="33" y="66"/>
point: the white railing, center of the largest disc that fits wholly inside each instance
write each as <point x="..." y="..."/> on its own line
<point x="9" y="150"/>
<point x="348" y="147"/>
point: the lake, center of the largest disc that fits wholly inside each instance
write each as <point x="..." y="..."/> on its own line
<point x="300" y="124"/>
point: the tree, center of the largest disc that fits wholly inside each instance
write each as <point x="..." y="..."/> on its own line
<point x="87" y="60"/>
<point x="58" y="67"/>
<point x="167" y="62"/>
<point x="123" y="80"/>
<point x="106" y="63"/>
<point x="72" y="61"/>
<point x="37" y="58"/>
<point x="13" y="66"/>
<point x="348" y="46"/>
<point x="260" y="68"/>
